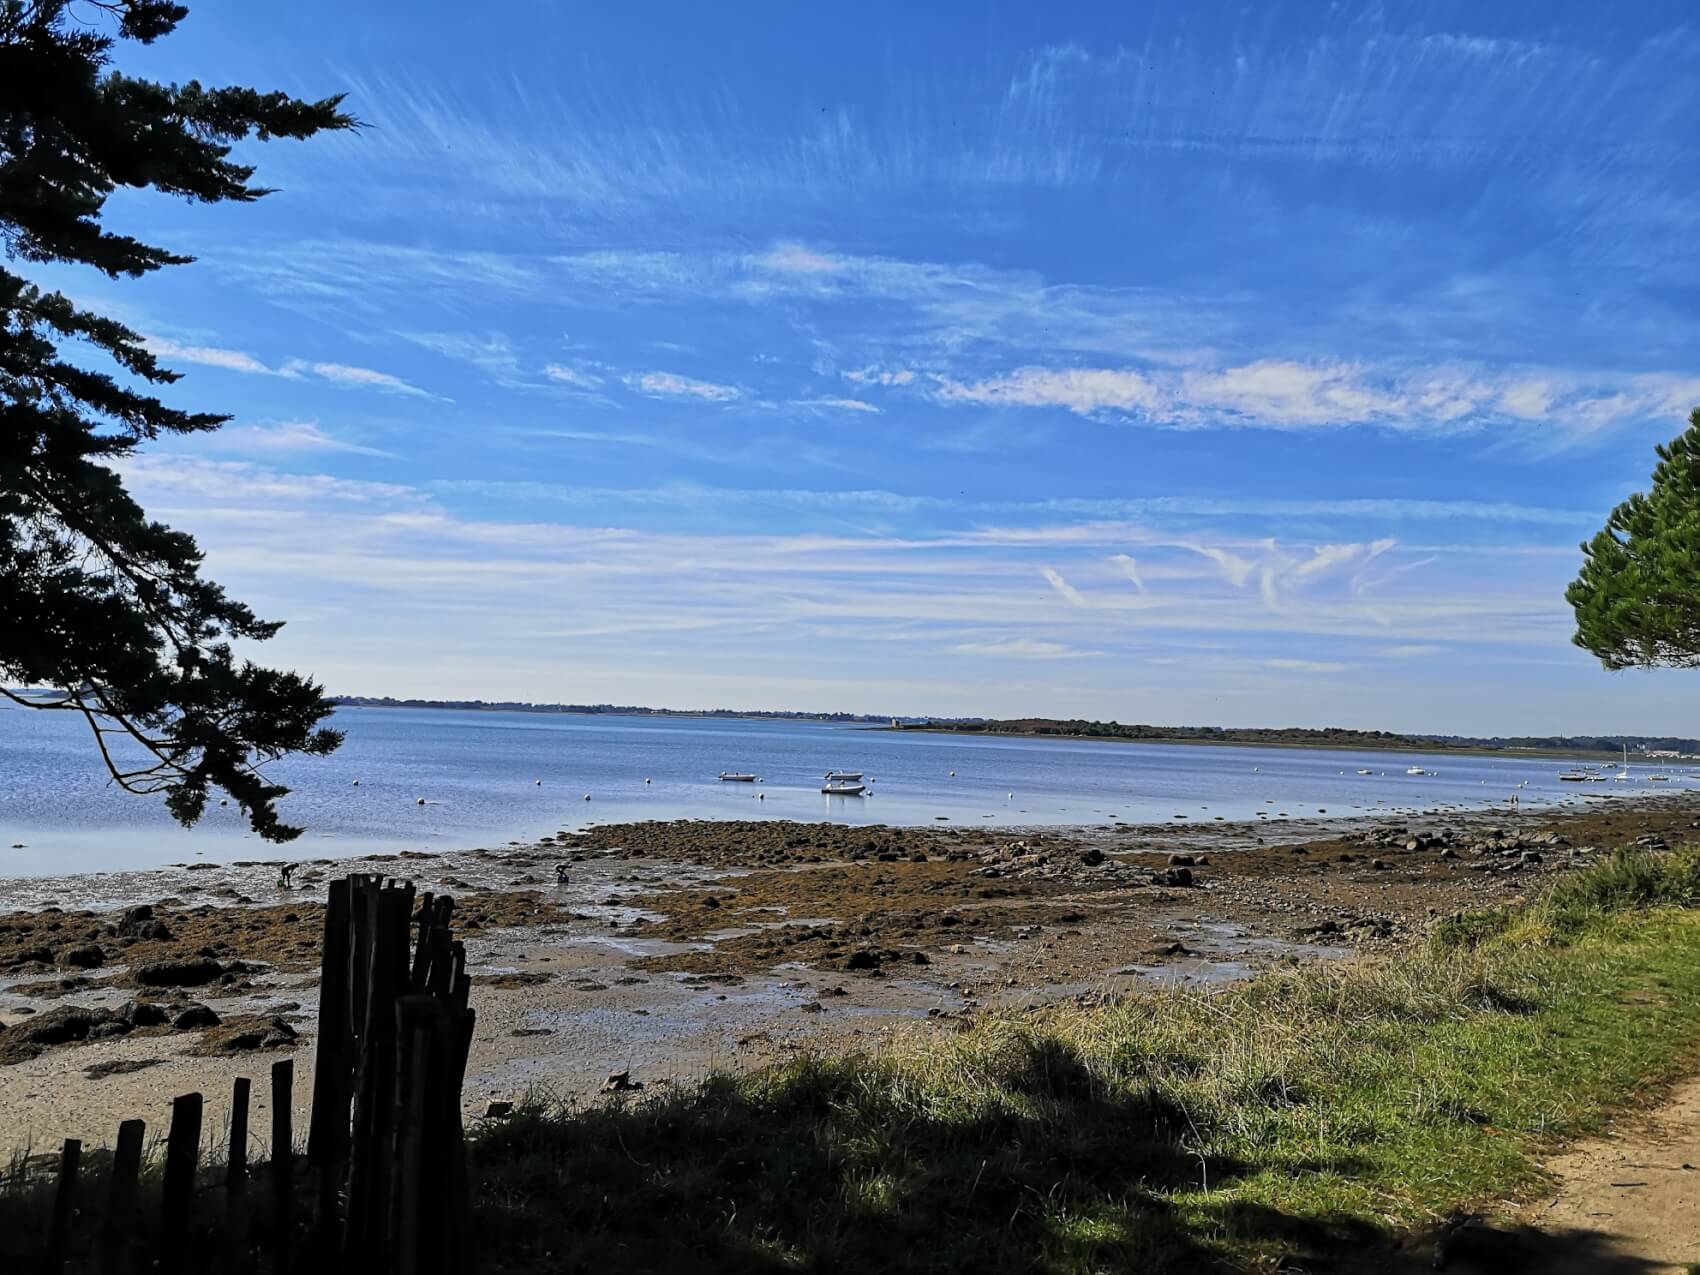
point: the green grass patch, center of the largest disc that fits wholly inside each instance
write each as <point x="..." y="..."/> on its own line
<point x="1277" y="1119"/>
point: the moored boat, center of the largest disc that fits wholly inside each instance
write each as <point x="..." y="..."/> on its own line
<point x="737" y="777"/>
<point x="844" y="789"/>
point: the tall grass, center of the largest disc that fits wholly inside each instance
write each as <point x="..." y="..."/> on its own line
<point x="1627" y="881"/>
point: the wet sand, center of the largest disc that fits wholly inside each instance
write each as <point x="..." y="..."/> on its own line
<point x="683" y="947"/>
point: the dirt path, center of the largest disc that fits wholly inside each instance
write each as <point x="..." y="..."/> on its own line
<point x="1637" y="1188"/>
<point x="1626" y="1203"/>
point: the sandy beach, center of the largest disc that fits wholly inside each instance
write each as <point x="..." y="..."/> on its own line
<point x="682" y="947"/>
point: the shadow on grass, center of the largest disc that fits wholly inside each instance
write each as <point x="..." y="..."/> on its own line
<point x="1484" y="1249"/>
<point x="847" y="1164"/>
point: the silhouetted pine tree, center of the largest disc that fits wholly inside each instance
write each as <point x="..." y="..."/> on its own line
<point x="96" y="600"/>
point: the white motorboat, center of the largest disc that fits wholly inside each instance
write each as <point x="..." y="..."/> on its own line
<point x="1658" y="779"/>
<point x="1365" y="771"/>
<point x="842" y="789"/>
<point x="736" y="777"/>
<point x="843" y="776"/>
<point x="1416" y="770"/>
<point x="1573" y="776"/>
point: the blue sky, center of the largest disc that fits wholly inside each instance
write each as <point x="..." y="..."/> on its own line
<point x="1247" y="364"/>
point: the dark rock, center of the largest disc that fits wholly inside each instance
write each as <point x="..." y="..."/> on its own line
<point x="193" y="1017"/>
<point x="862" y="960"/>
<point x="119" y="1067"/>
<point x="86" y="957"/>
<point x="814" y="1007"/>
<point x="1173" y="877"/>
<point x="245" y="1035"/>
<point x="1092" y="856"/>
<point x="139" y="923"/>
<point x="1180" y="861"/>
<point x="62" y="1024"/>
<point x="191" y="973"/>
<point x="497" y="1110"/>
<point x="144" y="1014"/>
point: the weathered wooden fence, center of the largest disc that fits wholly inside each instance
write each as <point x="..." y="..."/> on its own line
<point x="383" y="1188"/>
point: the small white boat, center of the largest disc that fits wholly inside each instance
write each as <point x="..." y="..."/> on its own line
<point x="846" y="776"/>
<point x="1573" y="776"/>
<point x="1658" y="779"/>
<point x="1365" y="771"/>
<point x="1415" y="770"/>
<point x="844" y="789"/>
<point x="736" y="777"/>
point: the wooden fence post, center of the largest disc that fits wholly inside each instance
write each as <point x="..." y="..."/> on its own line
<point x="121" y="1198"/>
<point x="283" y="1162"/>
<point x="385" y="1143"/>
<point x="64" y="1199"/>
<point x="182" y="1151"/>
<point x="236" y="1176"/>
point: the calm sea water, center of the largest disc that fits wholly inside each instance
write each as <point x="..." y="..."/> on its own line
<point x="478" y="773"/>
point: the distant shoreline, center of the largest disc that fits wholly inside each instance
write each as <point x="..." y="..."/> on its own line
<point x="1223" y="737"/>
<point x="1403" y="746"/>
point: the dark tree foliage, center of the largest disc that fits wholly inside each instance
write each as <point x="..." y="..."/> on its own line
<point x="96" y="600"/>
<point x="1637" y="598"/>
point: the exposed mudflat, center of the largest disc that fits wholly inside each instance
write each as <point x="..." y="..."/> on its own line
<point x="675" y="948"/>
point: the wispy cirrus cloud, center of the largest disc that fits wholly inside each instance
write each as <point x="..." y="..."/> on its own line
<point x="672" y="385"/>
<point x="839" y="404"/>
<point x="211" y="356"/>
<point x="1023" y="649"/>
<point x="1304" y="666"/>
<point x="1074" y="596"/>
<point x="341" y="374"/>
<point x="362" y="378"/>
<point x="562" y="374"/>
<point x="879" y="376"/>
<point x="1130" y="568"/>
<point x="283" y="438"/>
<point x="1279" y="393"/>
<point x="1080" y="390"/>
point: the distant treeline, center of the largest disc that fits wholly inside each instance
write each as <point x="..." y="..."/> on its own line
<point x="1328" y="736"/>
<point x="613" y="710"/>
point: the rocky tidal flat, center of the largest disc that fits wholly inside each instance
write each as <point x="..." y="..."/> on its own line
<point x="672" y="948"/>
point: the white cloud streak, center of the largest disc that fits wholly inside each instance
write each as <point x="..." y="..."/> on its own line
<point x="1284" y="394"/>
<point x="1130" y="568"/>
<point x="1063" y="587"/>
<point x="340" y="374"/>
<point x="287" y="437"/>
<point x="672" y="385"/>
<point x="364" y="378"/>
